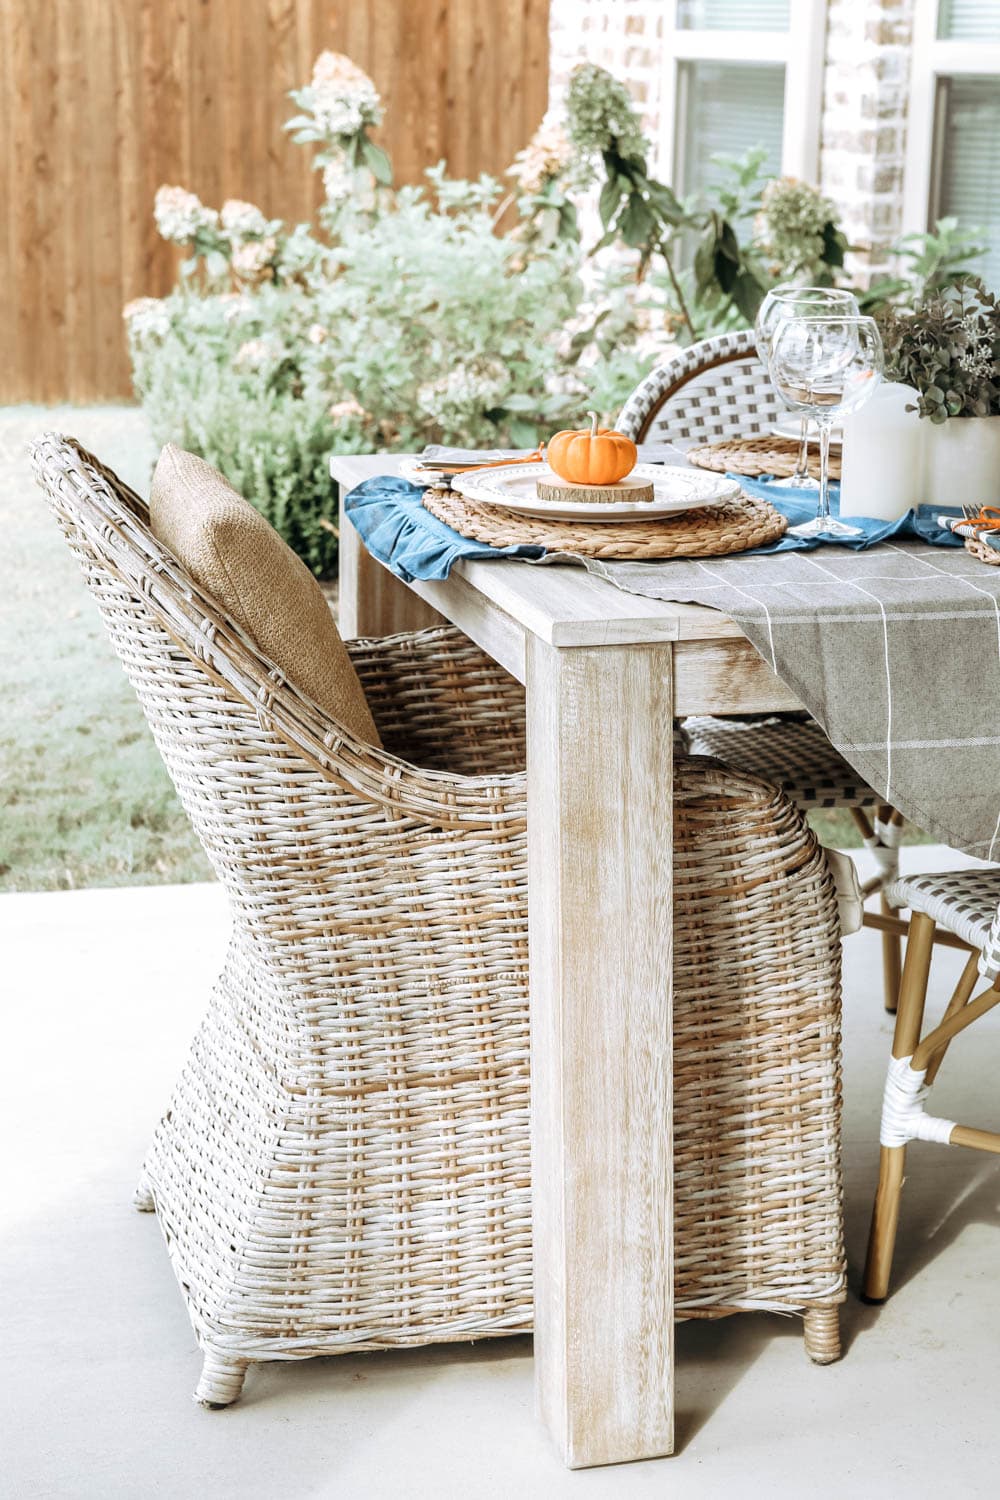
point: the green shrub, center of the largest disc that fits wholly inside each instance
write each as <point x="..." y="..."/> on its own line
<point x="454" y="311"/>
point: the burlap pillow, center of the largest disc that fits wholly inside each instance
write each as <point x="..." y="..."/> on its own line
<point x="237" y="558"/>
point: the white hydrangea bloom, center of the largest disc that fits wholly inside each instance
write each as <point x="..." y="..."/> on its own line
<point x="147" y="317"/>
<point x="546" y="155"/>
<point x="180" y="215"/>
<point x="338" y="180"/>
<point x="236" y="306"/>
<point x="342" y="98"/>
<point x="348" y="411"/>
<point x="242" y="220"/>
<point x="257" y="354"/>
<point x="251" y="260"/>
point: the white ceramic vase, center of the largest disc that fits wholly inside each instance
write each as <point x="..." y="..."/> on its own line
<point x="962" y="461"/>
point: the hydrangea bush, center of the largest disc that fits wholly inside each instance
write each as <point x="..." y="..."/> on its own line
<point x="466" y="312"/>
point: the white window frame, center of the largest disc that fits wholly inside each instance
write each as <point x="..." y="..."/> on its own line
<point x="800" y="49"/>
<point x="931" y="61"/>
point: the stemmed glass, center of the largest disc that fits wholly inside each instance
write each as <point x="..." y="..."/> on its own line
<point x="825" y="368"/>
<point x="798" y="302"/>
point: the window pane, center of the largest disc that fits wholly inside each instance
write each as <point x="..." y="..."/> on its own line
<point x="969" y="20"/>
<point x="970" y="162"/>
<point x="733" y="15"/>
<point x="727" y="107"/>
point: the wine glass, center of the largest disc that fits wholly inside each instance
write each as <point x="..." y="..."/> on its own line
<point x="826" y="367"/>
<point x="798" y="302"/>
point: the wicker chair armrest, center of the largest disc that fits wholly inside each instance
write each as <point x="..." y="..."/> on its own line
<point x="439" y="701"/>
<point x="102" y="519"/>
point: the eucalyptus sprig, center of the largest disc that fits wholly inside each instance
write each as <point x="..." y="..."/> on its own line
<point x="948" y="348"/>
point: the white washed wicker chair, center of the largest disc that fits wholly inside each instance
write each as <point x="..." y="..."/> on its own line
<point x="345" y="1161"/>
<point x="719" y="389"/>
<point x="964" y="905"/>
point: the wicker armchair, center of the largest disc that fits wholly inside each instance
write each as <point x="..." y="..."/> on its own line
<point x="345" y="1162"/>
<point x="719" y="389"/>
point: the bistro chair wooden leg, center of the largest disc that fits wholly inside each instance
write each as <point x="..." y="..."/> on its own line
<point x="892" y="1160"/>
<point x="958" y="1001"/>
<point x="892" y="954"/>
<point x="822" y="1334"/>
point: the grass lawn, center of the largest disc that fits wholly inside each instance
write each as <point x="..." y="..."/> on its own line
<point x="84" y="798"/>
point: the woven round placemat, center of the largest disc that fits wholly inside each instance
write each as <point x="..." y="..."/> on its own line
<point x="983" y="551"/>
<point x="753" y="456"/>
<point x="710" y="531"/>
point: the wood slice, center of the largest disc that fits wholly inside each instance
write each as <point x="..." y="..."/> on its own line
<point x="591" y="494"/>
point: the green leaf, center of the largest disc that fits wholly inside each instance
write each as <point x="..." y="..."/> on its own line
<point x="728" y="245"/>
<point x="748" y="294"/>
<point x="609" y="200"/>
<point x="704" y="263"/>
<point x="523" y="434"/>
<point x="726" y="270"/>
<point x="636" y="223"/>
<point x="665" y="202"/>
<point x="834" y="244"/>
<point x="377" y="161"/>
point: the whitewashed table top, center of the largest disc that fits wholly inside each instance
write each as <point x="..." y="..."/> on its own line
<point x="562" y="604"/>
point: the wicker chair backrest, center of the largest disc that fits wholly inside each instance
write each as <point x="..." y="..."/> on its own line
<point x="714" y="390"/>
<point x="206" y="688"/>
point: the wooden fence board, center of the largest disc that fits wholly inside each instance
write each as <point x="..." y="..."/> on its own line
<point x="101" y="101"/>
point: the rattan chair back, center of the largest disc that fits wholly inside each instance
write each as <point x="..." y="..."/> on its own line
<point x="713" y="390"/>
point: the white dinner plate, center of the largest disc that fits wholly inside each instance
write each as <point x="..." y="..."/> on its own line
<point x="674" y="490"/>
<point x="788" y="427"/>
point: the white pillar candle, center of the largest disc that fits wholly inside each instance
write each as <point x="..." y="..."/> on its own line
<point x="882" y="460"/>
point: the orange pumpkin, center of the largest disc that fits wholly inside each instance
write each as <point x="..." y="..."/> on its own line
<point x="596" y="457"/>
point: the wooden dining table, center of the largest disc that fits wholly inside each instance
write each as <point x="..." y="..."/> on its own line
<point x="606" y="676"/>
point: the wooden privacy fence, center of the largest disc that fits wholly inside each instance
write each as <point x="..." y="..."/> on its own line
<point x="103" y="100"/>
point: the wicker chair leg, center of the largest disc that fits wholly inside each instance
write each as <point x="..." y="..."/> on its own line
<point x="821" y="1326"/>
<point x="221" y="1380"/>
<point x="142" y="1199"/>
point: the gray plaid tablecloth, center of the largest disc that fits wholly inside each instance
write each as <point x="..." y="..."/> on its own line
<point x="895" y="651"/>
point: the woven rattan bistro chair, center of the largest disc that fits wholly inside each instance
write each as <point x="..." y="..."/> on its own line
<point x="344" y="1164"/>
<point x="965" y="906"/>
<point x="714" y="390"/>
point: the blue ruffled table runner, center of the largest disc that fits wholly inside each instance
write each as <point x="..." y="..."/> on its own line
<point x="399" y="532"/>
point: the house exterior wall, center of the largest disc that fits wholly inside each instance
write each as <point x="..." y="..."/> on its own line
<point x="866" y="77"/>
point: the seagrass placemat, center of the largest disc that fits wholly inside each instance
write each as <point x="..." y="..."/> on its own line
<point x="709" y="531"/>
<point x="983" y="551"/>
<point x="754" y="456"/>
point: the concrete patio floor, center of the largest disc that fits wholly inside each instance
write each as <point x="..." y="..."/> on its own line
<point x="103" y="990"/>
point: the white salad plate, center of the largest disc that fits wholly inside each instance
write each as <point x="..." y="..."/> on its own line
<point x="674" y="490"/>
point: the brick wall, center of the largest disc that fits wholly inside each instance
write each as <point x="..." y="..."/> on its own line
<point x="863" y="119"/>
<point x="625" y="36"/>
<point x="863" y="133"/>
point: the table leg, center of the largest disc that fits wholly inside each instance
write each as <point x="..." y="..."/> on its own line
<point x="373" y="602"/>
<point x="600" y="844"/>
